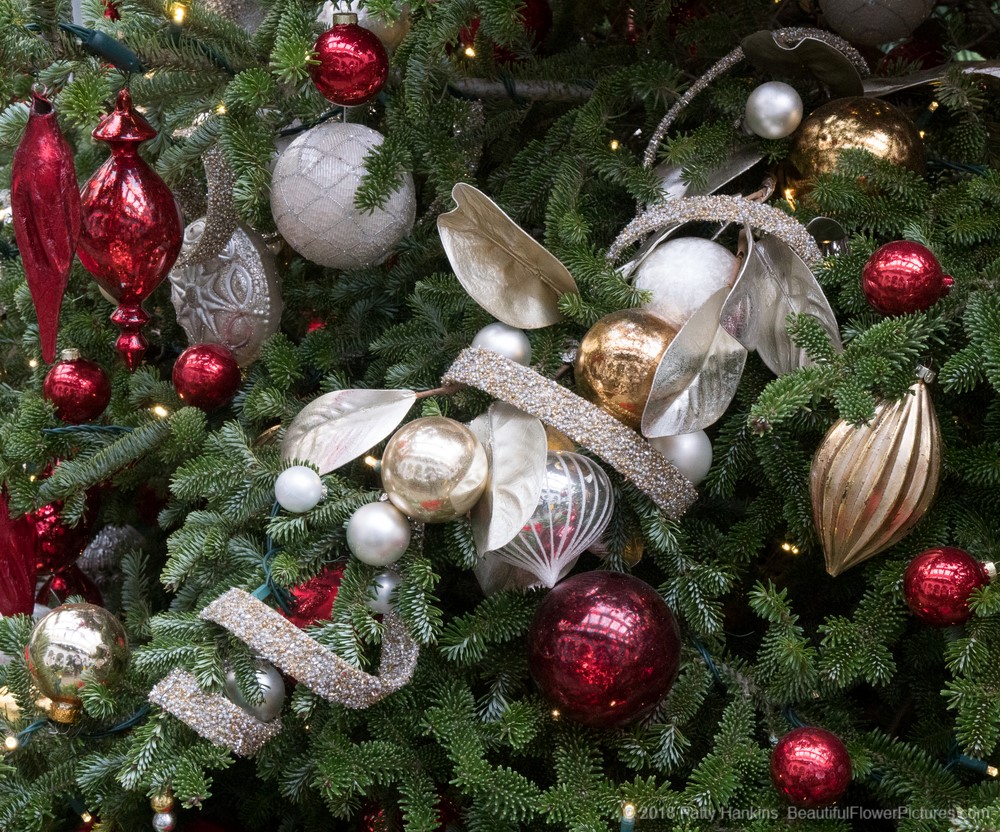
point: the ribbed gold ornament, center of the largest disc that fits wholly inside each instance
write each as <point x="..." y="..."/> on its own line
<point x="871" y="484"/>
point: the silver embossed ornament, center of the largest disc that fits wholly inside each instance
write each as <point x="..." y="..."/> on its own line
<point x="232" y="299"/>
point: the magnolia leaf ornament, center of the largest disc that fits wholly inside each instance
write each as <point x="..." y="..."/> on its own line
<point x="805" y="55"/>
<point x="880" y="87"/>
<point x="513" y="277"/>
<point x="495" y="575"/>
<point x="739" y="160"/>
<point x="516" y="446"/>
<point x="337" y="427"/>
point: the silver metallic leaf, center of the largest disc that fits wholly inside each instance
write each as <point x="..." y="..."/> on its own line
<point x="879" y="87"/>
<point x="516" y="445"/>
<point x="807" y="56"/>
<point x="495" y="575"/>
<point x="739" y="160"/>
<point x="504" y="270"/>
<point x="697" y="376"/>
<point x="337" y="427"/>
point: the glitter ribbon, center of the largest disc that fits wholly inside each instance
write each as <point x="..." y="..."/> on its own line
<point x="585" y="423"/>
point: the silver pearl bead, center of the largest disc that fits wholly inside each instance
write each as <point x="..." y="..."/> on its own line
<point x="274" y="692"/>
<point x="506" y="341"/>
<point x="381" y="591"/>
<point x="298" y="489"/>
<point x="164" y="822"/>
<point x="691" y="453"/>
<point x="378" y="534"/>
<point x="774" y="110"/>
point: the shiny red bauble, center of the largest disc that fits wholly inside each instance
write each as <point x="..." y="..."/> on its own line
<point x="65" y="583"/>
<point x="811" y="767"/>
<point x="904" y="277"/>
<point x="603" y="648"/>
<point x="206" y="376"/>
<point x="79" y="389"/>
<point x="59" y="545"/>
<point x="131" y="228"/>
<point x="939" y="582"/>
<point x="312" y="600"/>
<point x="352" y="64"/>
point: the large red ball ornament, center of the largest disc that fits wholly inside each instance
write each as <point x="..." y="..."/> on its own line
<point x="603" y="648"/>
<point x="79" y="389"/>
<point x="811" y="767"/>
<point x="904" y="277"/>
<point x="352" y="63"/>
<point x="206" y="376"/>
<point x="939" y="582"/>
<point x="312" y="600"/>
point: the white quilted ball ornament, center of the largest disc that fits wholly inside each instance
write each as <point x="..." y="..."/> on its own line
<point x="312" y="199"/>
<point x="872" y="22"/>
<point x="682" y="274"/>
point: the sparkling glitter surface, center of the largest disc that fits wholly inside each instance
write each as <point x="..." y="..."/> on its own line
<point x="221" y="217"/>
<point x="583" y="422"/>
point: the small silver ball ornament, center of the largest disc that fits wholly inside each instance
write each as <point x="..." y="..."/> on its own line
<point x="164" y="822"/>
<point x="774" y="110"/>
<point x="270" y="682"/>
<point x="378" y="534"/>
<point x="381" y="592"/>
<point x="506" y="341"/>
<point x="691" y="453"/>
<point x="298" y="489"/>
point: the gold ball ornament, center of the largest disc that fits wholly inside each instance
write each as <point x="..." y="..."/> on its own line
<point x="163" y="802"/>
<point x="434" y="469"/>
<point x="856" y="124"/>
<point x="617" y="361"/>
<point x="71" y="645"/>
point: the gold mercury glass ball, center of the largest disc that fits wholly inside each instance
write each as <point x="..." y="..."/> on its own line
<point x="161" y="802"/>
<point x="856" y="124"/>
<point x="434" y="469"/>
<point x="73" y="644"/>
<point x="617" y="360"/>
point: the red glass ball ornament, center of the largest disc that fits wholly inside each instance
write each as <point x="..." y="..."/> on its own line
<point x="938" y="583"/>
<point x="206" y="376"/>
<point x="903" y="277"/>
<point x="131" y="229"/>
<point x="603" y="648"/>
<point x="312" y="600"/>
<point x="352" y="63"/>
<point x="79" y="389"/>
<point x="811" y="767"/>
<point x="59" y="545"/>
<point x="66" y="582"/>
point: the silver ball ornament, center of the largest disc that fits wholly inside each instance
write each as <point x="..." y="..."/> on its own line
<point x="506" y="341"/>
<point x="691" y="453"/>
<point x="381" y="592"/>
<point x="378" y="534"/>
<point x="774" y="110"/>
<point x="271" y="684"/>
<point x="298" y="489"/>
<point x="164" y="822"/>
<point x="871" y="22"/>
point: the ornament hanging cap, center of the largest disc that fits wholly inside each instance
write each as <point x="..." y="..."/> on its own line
<point x="124" y="123"/>
<point x="41" y="107"/>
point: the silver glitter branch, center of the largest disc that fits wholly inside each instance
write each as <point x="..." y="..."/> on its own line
<point x="220" y="217"/>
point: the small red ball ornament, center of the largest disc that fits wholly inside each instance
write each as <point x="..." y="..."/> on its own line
<point x="67" y="582"/>
<point x="603" y="648"/>
<point x="312" y="600"/>
<point x="59" y="545"/>
<point x="903" y="277"/>
<point x="206" y="376"/>
<point x="78" y="388"/>
<point x="811" y="767"/>
<point x="939" y="582"/>
<point x="352" y="62"/>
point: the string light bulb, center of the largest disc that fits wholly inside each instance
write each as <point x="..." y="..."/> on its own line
<point x="178" y="11"/>
<point x="11" y="742"/>
<point x="221" y="109"/>
<point x="160" y="410"/>
<point x="791" y="548"/>
<point x="555" y="713"/>
<point x="86" y="817"/>
<point x="470" y="51"/>
<point x="789" y="195"/>
<point x="33" y="363"/>
<point x="615" y="144"/>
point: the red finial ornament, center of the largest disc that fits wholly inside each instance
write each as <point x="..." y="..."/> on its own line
<point x="132" y="230"/>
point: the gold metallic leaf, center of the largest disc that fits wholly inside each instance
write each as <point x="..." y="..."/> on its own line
<point x="807" y="56"/>
<point x="337" y="427"/>
<point x="516" y="445"/>
<point x="871" y="484"/>
<point x="504" y="270"/>
<point x="697" y="376"/>
<point x="775" y="283"/>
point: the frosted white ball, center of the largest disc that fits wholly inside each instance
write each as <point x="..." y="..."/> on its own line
<point x="691" y="453"/>
<point x="682" y="274"/>
<point x="298" y="489"/>
<point x="381" y="592"/>
<point x="872" y="22"/>
<point x="774" y="110"/>
<point x="378" y="534"/>
<point x="312" y="199"/>
<point x="506" y="340"/>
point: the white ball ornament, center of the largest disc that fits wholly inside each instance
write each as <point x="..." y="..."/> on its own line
<point x="691" y="453"/>
<point x="381" y="592"/>
<point x="774" y="110"/>
<point x="164" y="822"/>
<point x="682" y="274"/>
<point x="378" y="534"/>
<point x="298" y="489"/>
<point x="871" y="22"/>
<point x="505" y="340"/>
<point x="315" y="181"/>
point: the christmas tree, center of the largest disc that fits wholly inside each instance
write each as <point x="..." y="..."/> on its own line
<point x="494" y="415"/>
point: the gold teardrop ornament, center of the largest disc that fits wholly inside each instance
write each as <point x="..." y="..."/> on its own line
<point x="871" y="484"/>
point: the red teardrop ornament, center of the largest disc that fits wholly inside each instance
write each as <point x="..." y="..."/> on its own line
<point x="46" y="207"/>
<point x="131" y="232"/>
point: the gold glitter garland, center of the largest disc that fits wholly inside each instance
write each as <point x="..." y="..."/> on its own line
<point x="212" y="715"/>
<point x="588" y="425"/>
<point x="276" y="639"/>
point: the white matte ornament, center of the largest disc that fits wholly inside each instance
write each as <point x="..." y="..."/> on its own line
<point x="871" y="22"/>
<point x="774" y="110"/>
<point x="682" y="274"/>
<point x="378" y="534"/>
<point x="298" y="489"/>
<point x="315" y="181"/>
<point x="504" y="340"/>
<point x="381" y="592"/>
<point x="271" y="684"/>
<point x="691" y="453"/>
